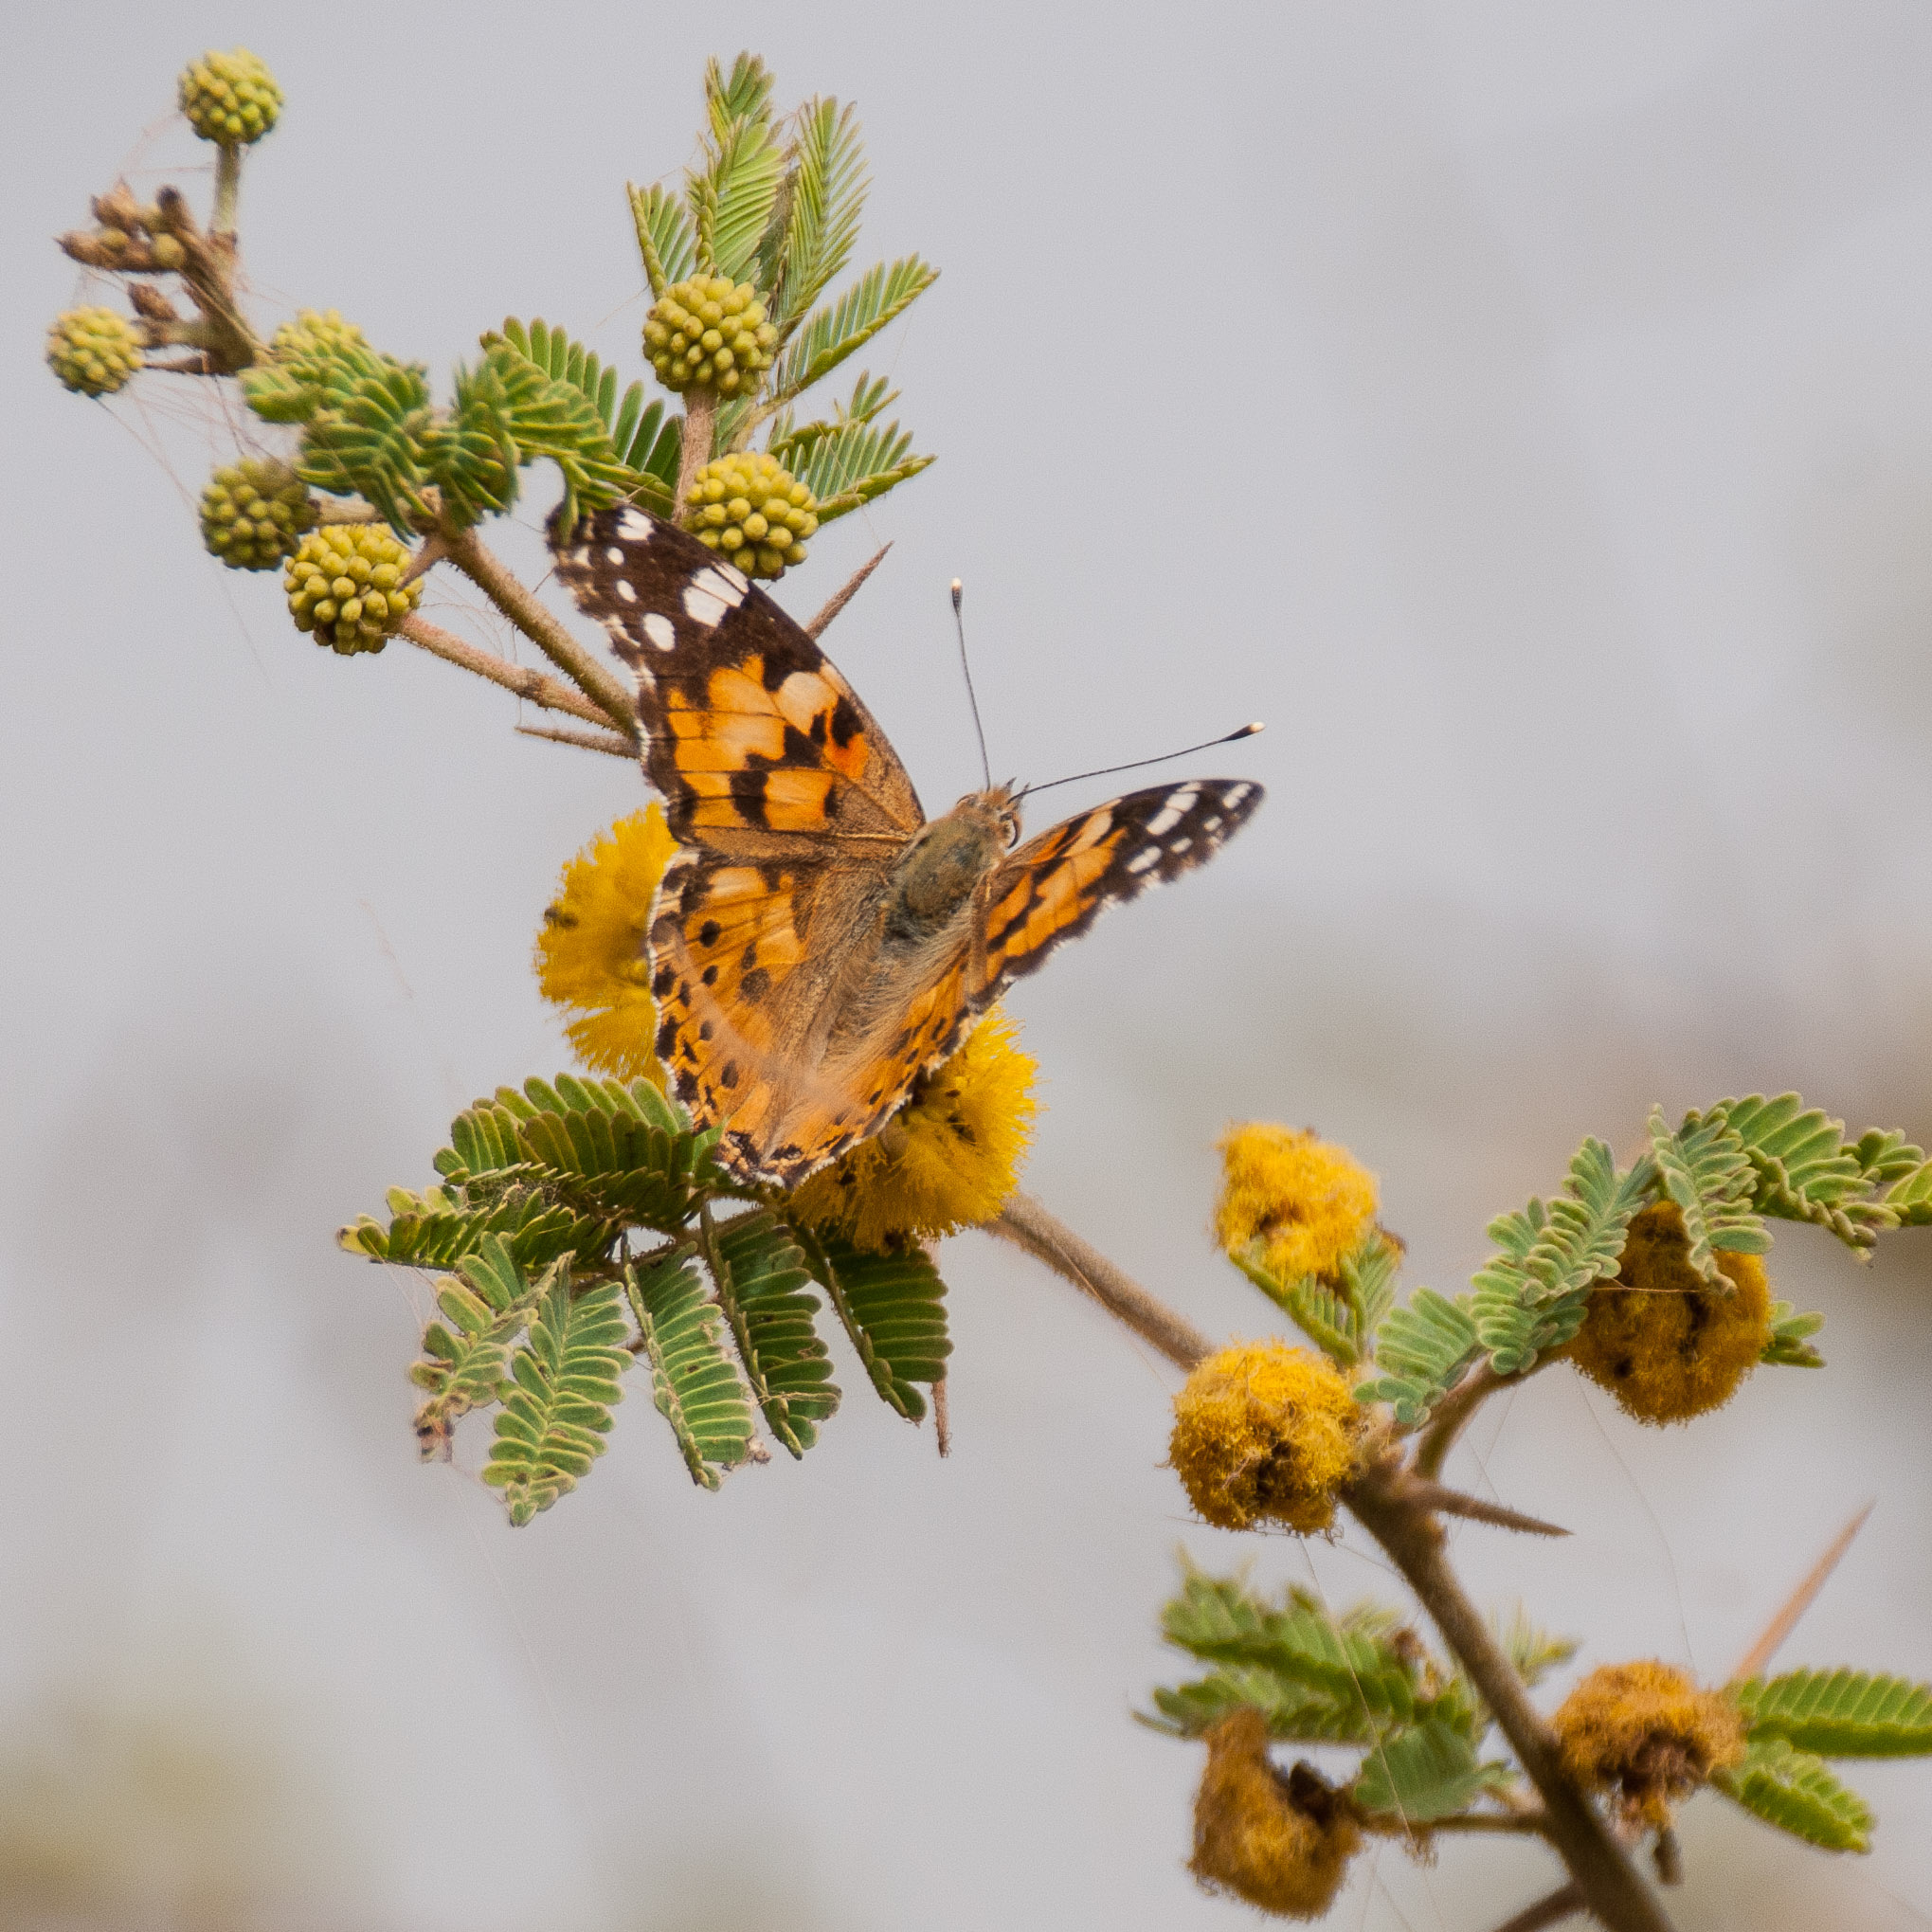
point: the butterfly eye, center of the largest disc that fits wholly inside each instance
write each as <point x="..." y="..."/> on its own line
<point x="1009" y="824"/>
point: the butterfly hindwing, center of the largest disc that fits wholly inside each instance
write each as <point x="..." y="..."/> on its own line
<point x="1055" y="885"/>
<point x="754" y="737"/>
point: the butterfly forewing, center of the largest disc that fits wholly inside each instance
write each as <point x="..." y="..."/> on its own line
<point x="1056" y="885"/>
<point x="754" y="737"/>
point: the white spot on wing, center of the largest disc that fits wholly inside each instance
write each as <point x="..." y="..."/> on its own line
<point x="613" y="555"/>
<point x="702" y="606"/>
<point x="634" y="525"/>
<point x="1234" y="794"/>
<point x="1178" y="806"/>
<point x="715" y="582"/>
<point x="733" y="576"/>
<point x="658" y="628"/>
<point x="1180" y="845"/>
<point x="621" y="585"/>
<point x="1149" y="855"/>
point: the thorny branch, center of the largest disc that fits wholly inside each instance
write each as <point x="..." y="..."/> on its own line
<point x="1397" y="1505"/>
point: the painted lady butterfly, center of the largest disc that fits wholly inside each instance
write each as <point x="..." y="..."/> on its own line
<point x="818" y="942"/>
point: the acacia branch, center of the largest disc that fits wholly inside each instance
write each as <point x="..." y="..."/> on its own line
<point x="1452" y="1413"/>
<point x="467" y="552"/>
<point x="1606" y="1882"/>
<point x="1564" y="1903"/>
<point x="525" y="682"/>
<point x="1027" y="1224"/>
<point x="607" y="742"/>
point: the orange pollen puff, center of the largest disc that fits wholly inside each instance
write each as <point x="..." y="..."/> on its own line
<point x="1665" y="1342"/>
<point x="1296" y="1204"/>
<point x="1647" y="1735"/>
<point x="590" y="955"/>
<point x="1281" y="1841"/>
<point x="1265" y="1432"/>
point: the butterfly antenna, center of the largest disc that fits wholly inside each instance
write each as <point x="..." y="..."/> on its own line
<point x="1107" y="770"/>
<point x="966" y="665"/>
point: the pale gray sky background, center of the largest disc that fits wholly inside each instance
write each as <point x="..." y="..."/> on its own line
<point x="1525" y="408"/>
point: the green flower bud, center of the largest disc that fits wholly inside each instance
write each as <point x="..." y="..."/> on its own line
<point x="254" y="514"/>
<point x="230" y="98"/>
<point x="709" y="332"/>
<point x="753" y="512"/>
<point x="93" y="352"/>
<point x="324" y="582"/>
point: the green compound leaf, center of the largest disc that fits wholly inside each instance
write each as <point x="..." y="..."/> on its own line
<point x="1335" y="1315"/>
<point x="666" y="239"/>
<point x="1706" y="1171"/>
<point x="564" y="1381"/>
<point x="1423" y="1350"/>
<point x="1911" y="1202"/>
<point x="1805" y="1171"/>
<point x="1532" y="1652"/>
<point x="694" y="1383"/>
<point x="365" y="436"/>
<point x="883" y="293"/>
<point x="511" y="409"/>
<point x="734" y="196"/>
<point x="1787" y="1347"/>
<point x="1531" y="1298"/>
<point x="761" y="1279"/>
<point x="1296" y="1714"/>
<point x="438" y="1227"/>
<point x="465" y="1362"/>
<point x="828" y="188"/>
<point x="1840" y="1713"/>
<point x="1424" y="1772"/>
<point x="643" y="438"/>
<point x="609" y="1151"/>
<point x="848" y="463"/>
<point x="893" y="1309"/>
<point x="1794" y="1791"/>
<point x="1348" y="1660"/>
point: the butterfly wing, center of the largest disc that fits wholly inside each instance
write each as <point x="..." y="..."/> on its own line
<point x="1054" y="886"/>
<point x="757" y="743"/>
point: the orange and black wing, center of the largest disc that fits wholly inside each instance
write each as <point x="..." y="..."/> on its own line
<point x="756" y="742"/>
<point x="1056" y="885"/>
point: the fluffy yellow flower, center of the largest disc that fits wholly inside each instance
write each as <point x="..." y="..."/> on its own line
<point x="1281" y="1841"/>
<point x="590" y="957"/>
<point x="1665" y="1342"/>
<point x="1647" y="1735"/>
<point x="1294" y="1203"/>
<point x="1265" y="1432"/>
<point x="949" y="1159"/>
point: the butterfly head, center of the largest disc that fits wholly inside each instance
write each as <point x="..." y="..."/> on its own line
<point x="994" y="812"/>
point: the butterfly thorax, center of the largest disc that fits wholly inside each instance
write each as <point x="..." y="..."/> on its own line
<point x="945" y="863"/>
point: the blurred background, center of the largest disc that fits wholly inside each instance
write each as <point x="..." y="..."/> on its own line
<point x="1527" y="410"/>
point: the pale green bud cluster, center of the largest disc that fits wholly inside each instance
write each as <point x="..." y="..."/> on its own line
<point x="345" y="582"/>
<point x="230" y="98"/>
<point x="306" y="346"/>
<point x="253" y="514"/>
<point x="709" y="332"/>
<point x="753" y="511"/>
<point x="93" y="352"/>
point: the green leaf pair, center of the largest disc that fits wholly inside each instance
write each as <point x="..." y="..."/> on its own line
<point x="542" y="1191"/>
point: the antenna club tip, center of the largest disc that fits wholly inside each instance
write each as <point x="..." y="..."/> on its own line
<point x="958" y="590"/>
<point x="1249" y="731"/>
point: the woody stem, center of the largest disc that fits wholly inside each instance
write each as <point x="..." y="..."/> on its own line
<point x="1396" y="1510"/>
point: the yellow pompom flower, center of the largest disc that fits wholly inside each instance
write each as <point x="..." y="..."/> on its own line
<point x="344" y="587"/>
<point x="1265" y="1432"/>
<point x="1664" y="1342"/>
<point x="94" y="351"/>
<point x="590" y="954"/>
<point x="948" y="1161"/>
<point x="1295" y="1204"/>
<point x="1645" y="1734"/>
<point x="1279" y="1840"/>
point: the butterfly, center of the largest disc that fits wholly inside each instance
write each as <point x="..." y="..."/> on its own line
<point x="817" y="942"/>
